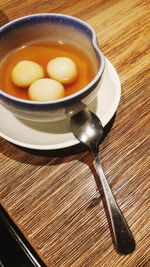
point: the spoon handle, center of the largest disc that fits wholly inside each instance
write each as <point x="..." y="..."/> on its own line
<point x="122" y="235"/>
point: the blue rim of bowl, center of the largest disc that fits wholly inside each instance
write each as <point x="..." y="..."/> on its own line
<point x="82" y="92"/>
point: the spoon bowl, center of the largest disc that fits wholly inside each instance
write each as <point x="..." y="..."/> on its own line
<point x="87" y="128"/>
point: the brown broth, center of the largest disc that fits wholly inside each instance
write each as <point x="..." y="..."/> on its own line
<point x="42" y="52"/>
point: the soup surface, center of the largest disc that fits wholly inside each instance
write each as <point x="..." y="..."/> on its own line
<point x="42" y="52"/>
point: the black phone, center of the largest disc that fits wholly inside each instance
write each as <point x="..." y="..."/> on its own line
<point x="15" y="250"/>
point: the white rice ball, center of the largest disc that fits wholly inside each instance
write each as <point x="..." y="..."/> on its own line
<point x="45" y="90"/>
<point x="62" y="69"/>
<point x="26" y="72"/>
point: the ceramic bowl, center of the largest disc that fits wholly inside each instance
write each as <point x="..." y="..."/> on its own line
<point x="57" y="27"/>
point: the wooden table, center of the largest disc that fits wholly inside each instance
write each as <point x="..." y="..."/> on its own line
<point x="53" y="196"/>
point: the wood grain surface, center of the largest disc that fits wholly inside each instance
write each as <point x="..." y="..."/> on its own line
<point x="53" y="196"/>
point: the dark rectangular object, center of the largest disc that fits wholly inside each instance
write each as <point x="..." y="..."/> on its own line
<point x="15" y="250"/>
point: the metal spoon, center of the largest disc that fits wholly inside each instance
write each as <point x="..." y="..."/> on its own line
<point x="88" y="129"/>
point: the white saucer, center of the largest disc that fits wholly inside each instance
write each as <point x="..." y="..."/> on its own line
<point x="45" y="136"/>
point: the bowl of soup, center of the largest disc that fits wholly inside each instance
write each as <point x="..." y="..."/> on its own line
<point x="51" y="66"/>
